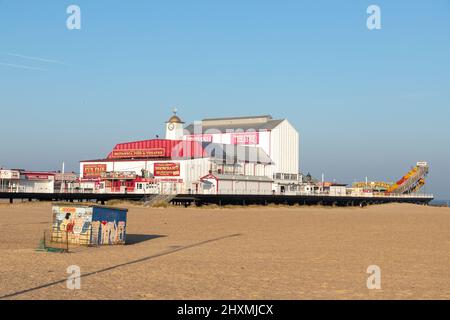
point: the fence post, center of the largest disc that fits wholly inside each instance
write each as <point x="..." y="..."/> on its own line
<point x="67" y="241"/>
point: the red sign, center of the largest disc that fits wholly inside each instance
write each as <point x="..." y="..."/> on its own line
<point x="168" y="169"/>
<point x="200" y="137"/>
<point x="36" y="176"/>
<point x="93" y="170"/>
<point x="245" y="138"/>
<point x="170" y="180"/>
<point x="139" y="153"/>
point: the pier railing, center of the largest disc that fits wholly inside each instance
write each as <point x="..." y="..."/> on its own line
<point x="322" y="194"/>
<point x="260" y="192"/>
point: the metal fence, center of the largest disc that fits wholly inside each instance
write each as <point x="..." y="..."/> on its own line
<point x="56" y="240"/>
<point x="63" y="241"/>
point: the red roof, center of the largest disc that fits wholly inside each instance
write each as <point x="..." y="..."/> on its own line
<point x="158" y="148"/>
<point x="38" y="175"/>
<point x="45" y="173"/>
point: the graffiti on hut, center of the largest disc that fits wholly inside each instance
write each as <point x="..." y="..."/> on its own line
<point x="88" y="225"/>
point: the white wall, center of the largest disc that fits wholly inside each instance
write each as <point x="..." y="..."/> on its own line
<point x="244" y="187"/>
<point x="38" y="186"/>
<point x="176" y="133"/>
<point x="194" y="169"/>
<point x="338" y="191"/>
<point x="285" y="148"/>
<point x="225" y="186"/>
<point x="135" y="166"/>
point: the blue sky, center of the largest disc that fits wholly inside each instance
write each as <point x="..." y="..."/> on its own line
<point x="366" y="103"/>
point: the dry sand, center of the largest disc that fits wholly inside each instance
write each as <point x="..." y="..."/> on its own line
<point x="239" y="253"/>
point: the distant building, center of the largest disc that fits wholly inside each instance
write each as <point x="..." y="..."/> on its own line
<point x="9" y="180"/>
<point x="37" y="182"/>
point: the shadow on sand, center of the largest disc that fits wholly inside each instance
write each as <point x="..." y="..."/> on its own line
<point x="138" y="238"/>
<point x="144" y="259"/>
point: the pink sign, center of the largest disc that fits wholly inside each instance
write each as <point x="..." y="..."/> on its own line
<point x="245" y="138"/>
<point x="200" y="137"/>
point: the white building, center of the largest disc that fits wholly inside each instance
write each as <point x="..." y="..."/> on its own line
<point x="174" y="165"/>
<point x="278" y="138"/>
<point x="9" y="180"/>
<point x="36" y="182"/>
<point x="244" y="155"/>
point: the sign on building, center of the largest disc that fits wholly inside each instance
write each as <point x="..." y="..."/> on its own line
<point x="166" y="169"/>
<point x="139" y="153"/>
<point x="245" y="138"/>
<point x="9" y="174"/>
<point x="93" y="170"/>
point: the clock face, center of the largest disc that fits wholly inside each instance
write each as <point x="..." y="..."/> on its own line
<point x="171" y="126"/>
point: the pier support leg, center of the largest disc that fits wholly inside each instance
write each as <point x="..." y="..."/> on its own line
<point x="103" y="202"/>
<point x="11" y="200"/>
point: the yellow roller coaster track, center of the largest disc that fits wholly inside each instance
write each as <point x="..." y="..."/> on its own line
<point x="412" y="181"/>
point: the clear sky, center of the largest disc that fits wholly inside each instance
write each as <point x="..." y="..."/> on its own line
<point x="366" y="103"/>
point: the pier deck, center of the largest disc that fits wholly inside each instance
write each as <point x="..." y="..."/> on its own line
<point x="225" y="199"/>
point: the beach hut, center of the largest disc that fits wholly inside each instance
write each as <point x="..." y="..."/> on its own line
<point x="88" y="224"/>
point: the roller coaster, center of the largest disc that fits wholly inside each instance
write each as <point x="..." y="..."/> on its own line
<point x="410" y="183"/>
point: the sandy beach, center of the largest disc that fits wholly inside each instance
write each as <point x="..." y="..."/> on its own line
<point x="237" y="253"/>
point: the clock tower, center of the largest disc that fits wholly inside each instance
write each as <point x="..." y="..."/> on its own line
<point x="174" y="127"/>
